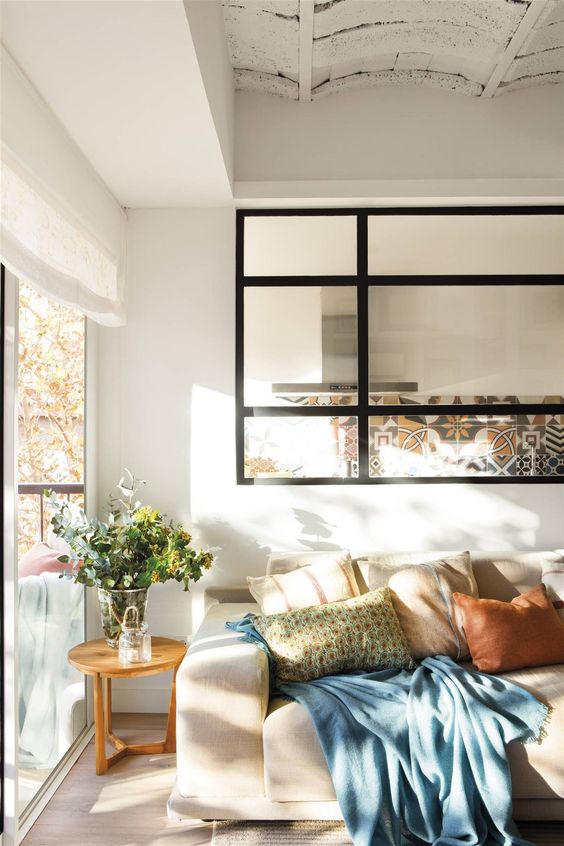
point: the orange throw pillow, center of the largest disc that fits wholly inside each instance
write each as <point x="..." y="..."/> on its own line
<point x="503" y="636"/>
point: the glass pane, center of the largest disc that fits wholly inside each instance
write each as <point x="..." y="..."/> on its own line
<point x="52" y="704"/>
<point x="301" y="447"/>
<point x="465" y="244"/>
<point x="463" y="445"/>
<point x="301" y="346"/>
<point x="29" y="522"/>
<point x="50" y="390"/>
<point x="300" y="246"/>
<point x="466" y="344"/>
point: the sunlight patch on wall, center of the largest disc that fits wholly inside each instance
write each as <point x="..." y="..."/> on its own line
<point x="248" y="523"/>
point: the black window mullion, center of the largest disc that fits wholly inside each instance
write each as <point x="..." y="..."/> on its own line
<point x="240" y="348"/>
<point x="362" y="345"/>
<point x="298" y="281"/>
<point x="467" y="279"/>
<point x="300" y="410"/>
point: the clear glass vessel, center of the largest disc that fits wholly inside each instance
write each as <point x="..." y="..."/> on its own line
<point x="113" y="604"/>
<point x="134" y="640"/>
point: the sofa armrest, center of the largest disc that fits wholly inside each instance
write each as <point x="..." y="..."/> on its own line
<point x="222" y="699"/>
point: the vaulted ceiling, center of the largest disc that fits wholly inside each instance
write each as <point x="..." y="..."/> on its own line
<point x="307" y="49"/>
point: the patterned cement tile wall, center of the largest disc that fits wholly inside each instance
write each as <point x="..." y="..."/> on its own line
<point x="463" y="445"/>
<point x="459" y="399"/>
<point x="412" y="445"/>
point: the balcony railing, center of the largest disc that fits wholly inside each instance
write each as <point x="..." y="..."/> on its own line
<point x="37" y="488"/>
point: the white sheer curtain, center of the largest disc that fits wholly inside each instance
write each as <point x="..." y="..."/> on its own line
<point x="60" y="229"/>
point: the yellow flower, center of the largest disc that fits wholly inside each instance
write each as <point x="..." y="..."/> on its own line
<point x="184" y="535"/>
<point x="146" y="514"/>
<point x="155" y="577"/>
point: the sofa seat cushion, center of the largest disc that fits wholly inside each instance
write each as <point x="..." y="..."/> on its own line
<point x="294" y="765"/>
<point x="536" y="768"/>
<point x="295" y="768"/>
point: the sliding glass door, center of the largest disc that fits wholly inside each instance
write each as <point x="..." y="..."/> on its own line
<point x="51" y="699"/>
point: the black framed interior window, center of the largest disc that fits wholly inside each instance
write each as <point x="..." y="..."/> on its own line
<point x="400" y="345"/>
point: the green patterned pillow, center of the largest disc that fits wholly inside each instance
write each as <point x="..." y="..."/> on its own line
<point x="362" y="633"/>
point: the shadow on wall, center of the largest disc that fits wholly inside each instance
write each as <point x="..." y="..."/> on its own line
<point x="394" y="519"/>
<point x="231" y="545"/>
<point x="313" y="524"/>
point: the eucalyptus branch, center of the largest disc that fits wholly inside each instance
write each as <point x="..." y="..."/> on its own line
<point x="134" y="549"/>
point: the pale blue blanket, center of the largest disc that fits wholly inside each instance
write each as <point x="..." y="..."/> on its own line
<point x="418" y="757"/>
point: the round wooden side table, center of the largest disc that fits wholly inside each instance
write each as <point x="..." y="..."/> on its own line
<point x="95" y="658"/>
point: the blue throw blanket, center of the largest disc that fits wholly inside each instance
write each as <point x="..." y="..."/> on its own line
<point x="418" y="757"/>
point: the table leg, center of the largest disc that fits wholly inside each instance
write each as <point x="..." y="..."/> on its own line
<point x="108" y="705"/>
<point x="99" y="727"/>
<point x="104" y="731"/>
<point x="170" y="739"/>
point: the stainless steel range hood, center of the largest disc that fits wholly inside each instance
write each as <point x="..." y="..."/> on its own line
<point x="321" y="388"/>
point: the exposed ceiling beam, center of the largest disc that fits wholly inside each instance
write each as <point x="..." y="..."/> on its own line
<point x="528" y="21"/>
<point x="306" y="49"/>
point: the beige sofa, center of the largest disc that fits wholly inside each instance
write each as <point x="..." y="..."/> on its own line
<point x="243" y="756"/>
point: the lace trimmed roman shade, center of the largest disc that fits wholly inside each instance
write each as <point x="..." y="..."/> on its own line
<point x="61" y="230"/>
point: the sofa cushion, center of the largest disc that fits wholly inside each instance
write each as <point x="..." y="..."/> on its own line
<point x="502" y="636"/>
<point x="362" y="633"/>
<point x="536" y="768"/>
<point x="504" y="575"/>
<point x="422" y="595"/>
<point x="553" y="578"/>
<point x="294" y="763"/>
<point x="325" y="581"/>
<point x="499" y="575"/>
<point x="295" y="767"/>
<point x="222" y="700"/>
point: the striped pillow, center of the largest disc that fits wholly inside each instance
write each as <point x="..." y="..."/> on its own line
<point x="553" y="578"/>
<point x="314" y="584"/>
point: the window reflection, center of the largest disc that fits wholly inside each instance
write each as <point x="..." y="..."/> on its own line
<point x="301" y="447"/>
<point x="300" y="346"/>
<point x="300" y="245"/>
<point x="466" y="344"/>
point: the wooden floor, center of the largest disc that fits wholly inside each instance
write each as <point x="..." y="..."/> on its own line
<point x="125" y="807"/>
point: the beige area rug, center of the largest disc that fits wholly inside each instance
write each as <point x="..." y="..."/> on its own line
<point x="320" y="833"/>
<point x="317" y="832"/>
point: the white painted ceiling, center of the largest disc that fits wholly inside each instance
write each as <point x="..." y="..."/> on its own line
<point x="145" y="89"/>
<point x="123" y="78"/>
<point x="307" y="49"/>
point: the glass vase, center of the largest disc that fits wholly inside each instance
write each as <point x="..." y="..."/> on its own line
<point x="112" y="608"/>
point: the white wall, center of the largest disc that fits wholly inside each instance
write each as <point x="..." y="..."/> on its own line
<point x="166" y="388"/>
<point x="210" y="43"/>
<point x="400" y="133"/>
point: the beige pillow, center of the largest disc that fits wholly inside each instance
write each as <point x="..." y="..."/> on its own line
<point x="362" y="633"/>
<point x="314" y="584"/>
<point x="423" y="601"/>
<point x="553" y="578"/>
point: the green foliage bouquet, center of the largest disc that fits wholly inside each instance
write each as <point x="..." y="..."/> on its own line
<point x="136" y="548"/>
